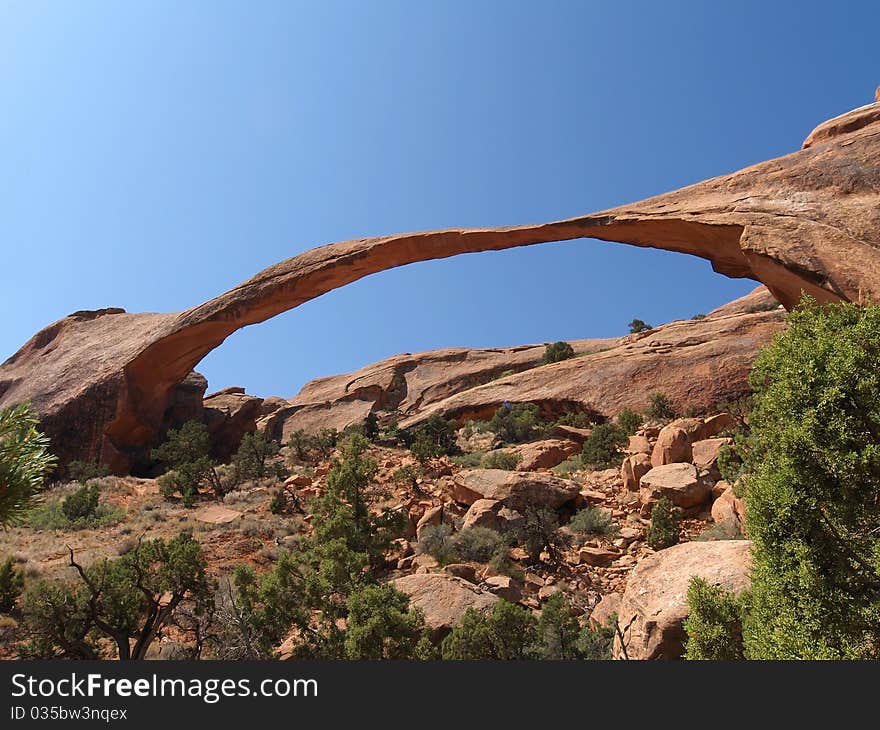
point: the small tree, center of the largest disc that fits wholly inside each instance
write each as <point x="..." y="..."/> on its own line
<point x="660" y="409"/>
<point x="381" y="625"/>
<point x="540" y="533"/>
<point x="638" y="325"/>
<point x="602" y="447"/>
<point x="507" y="633"/>
<point x="812" y="485"/>
<point x="11" y="584"/>
<point x="515" y="423"/>
<point x="557" y="352"/>
<point x="254" y="456"/>
<point x="663" y="530"/>
<point x="82" y="504"/>
<point x="436" y="437"/>
<point x="629" y="421"/>
<point x="370" y="427"/>
<point x="25" y="462"/>
<point x="129" y="600"/>
<point x="186" y="452"/>
<point x="558" y="631"/>
<point x="714" y="623"/>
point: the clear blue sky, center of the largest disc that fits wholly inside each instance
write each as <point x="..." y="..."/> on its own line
<point x="157" y="153"/>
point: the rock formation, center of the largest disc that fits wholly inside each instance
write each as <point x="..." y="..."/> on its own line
<point x="102" y="381"/>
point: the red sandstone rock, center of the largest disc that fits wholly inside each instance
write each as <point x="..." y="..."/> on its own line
<point x="806" y="222"/>
<point x="654" y="605"/>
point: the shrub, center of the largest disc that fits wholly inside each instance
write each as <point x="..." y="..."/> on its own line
<point x="558" y="631"/>
<point x="436" y="541"/>
<point x="478" y="544"/>
<point x="637" y="325"/>
<point x="629" y="421"/>
<point x="381" y="625"/>
<point x="593" y="521"/>
<point x="471" y="460"/>
<point x="541" y="533"/>
<point x="500" y="460"/>
<point x="727" y="530"/>
<point x="436" y="437"/>
<point x="573" y="418"/>
<point x="11" y="584"/>
<point x="507" y="633"/>
<point x="660" y="409"/>
<point x="515" y="423"/>
<point x="812" y="485"/>
<point x="370" y="427"/>
<point x="81" y="510"/>
<point x="83" y="471"/>
<point x="698" y="317"/>
<point x="278" y="503"/>
<point x="406" y="476"/>
<point x="82" y="504"/>
<point x="25" y="462"/>
<point x="663" y="531"/>
<point x="714" y="625"/>
<point x="557" y="352"/>
<point x="601" y="447"/>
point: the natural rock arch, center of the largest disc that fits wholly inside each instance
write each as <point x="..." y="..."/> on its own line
<point x="806" y="222"/>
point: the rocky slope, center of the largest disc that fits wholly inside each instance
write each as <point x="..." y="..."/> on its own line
<point x="808" y="221"/>
<point x="697" y="363"/>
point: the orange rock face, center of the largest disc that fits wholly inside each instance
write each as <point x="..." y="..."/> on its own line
<point x="806" y="222"/>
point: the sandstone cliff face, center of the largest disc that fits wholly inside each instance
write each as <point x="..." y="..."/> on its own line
<point x="697" y="363"/>
<point x="808" y="221"/>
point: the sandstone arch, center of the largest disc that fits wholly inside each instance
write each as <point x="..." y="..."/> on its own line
<point x="805" y="222"/>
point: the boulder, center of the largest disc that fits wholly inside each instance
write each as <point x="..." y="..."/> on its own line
<point x="431" y="517"/>
<point x="571" y="433"/>
<point x="639" y="444"/>
<point x="516" y="490"/>
<point x="482" y="513"/>
<point x="217" y="515"/>
<point x="681" y="484"/>
<point x="654" y="604"/>
<point x="605" y="611"/>
<point x="443" y="598"/>
<point x="229" y="414"/>
<point x="633" y="469"/>
<point x="598" y="557"/>
<point x="729" y="508"/>
<point x="543" y="454"/>
<point x="713" y="425"/>
<point x="673" y="446"/>
<point x="504" y="587"/>
<point x="704" y="454"/>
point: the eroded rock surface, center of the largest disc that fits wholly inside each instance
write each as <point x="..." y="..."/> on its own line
<point x="805" y="222"/>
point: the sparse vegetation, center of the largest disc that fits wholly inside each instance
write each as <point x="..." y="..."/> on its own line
<point x="507" y="633"/>
<point x="83" y="471"/>
<point x="593" y="521"/>
<point x="602" y="447"/>
<point x="500" y="460"/>
<point x="663" y="532"/>
<point x="515" y="423"/>
<point x="638" y="325"/>
<point x="557" y="352"/>
<point x="660" y="408"/>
